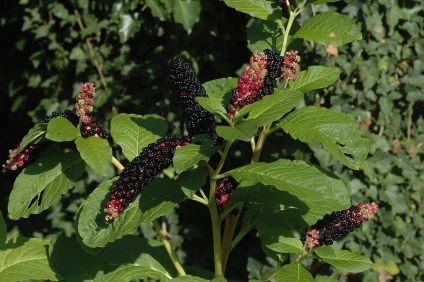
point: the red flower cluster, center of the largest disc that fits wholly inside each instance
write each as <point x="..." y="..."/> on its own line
<point x="223" y="191"/>
<point x="85" y="101"/>
<point x="338" y="224"/>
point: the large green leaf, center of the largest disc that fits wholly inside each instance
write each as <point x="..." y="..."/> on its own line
<point x="192" y="180"/>
<point x="255" y="8"/>
<point x="293" y="272"/>
<point x="25" y="259"/>
<point x="34" y="136"/>
<point x="322" y="192"/>
<point x="134" y="132"/>
<point x="315" y="77"/>
<point x="42" y="182"/>
<point x="214" y="105"/>
<point x="244" y="130"/>
<point x="220" y="88"/>
<point x="157" y="9"/>
<point x="158" y="198"/>
<point x="329" y="28"/>
<point x="187" y="156"/>
<point x="343" y="259"/>
<point x="338" y="133"/>
<point x="96" y="152"/>
<point x="60" y="129"/>
<point x="70" y="261"/>
<point x="189" y="278"/>
<point x="187" y="13"/>
<point x="272" y="107"/>
<point x="263" y="35"/>
<point x="276" y="236"/>
<point x="138" y="258"/>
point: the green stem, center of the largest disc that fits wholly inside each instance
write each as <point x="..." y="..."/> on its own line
<point x="168" y="248"/>
<point x="216" y="229"/>
<point x="117" y="164"/>
<point x="286" y="31"/>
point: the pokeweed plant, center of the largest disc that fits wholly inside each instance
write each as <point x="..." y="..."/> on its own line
<point x="297" y="208"/>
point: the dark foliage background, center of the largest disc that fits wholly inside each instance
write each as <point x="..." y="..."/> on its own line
<point x="49" y="48"/>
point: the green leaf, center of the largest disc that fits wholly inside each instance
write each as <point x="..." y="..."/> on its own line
<point x="214" y="106"/>
<point x="338" y="133"/>
<point x="276" y="237"/>
<point x="42" y="182"/>
<point x="244" y="130"/>
<point x="220" y="88"/>
<point x="255" y="8"/>
<point x="343" y="259"/>
<point x="60" y="129"/>
<point x="322" y="192"/>
<point x="157" y="199"/>
<point x="134" y="132"/>
<point x="324" y="278"/>
<point x="77" y="54"/>
<point x="329" y="28"/>
<point x="187" y="13"/>
<point x="70" y="261"/>
<point x="35" y="135"/>
<point x="272" y="107"/>
<point x="187" y="156"/>
<point x="138" y="258"/>
<point x="96" y="152"/>
<point x="25" y="259"/>
<point x="316" y="2"/>
<point x="189" y="278"/>
<point x="192" y="180"/>
<point x="157" y="10"/>
<point x="263" y="35"/>
<point x="293" y="272"/>
<point x="128" y="26"/>
<point x="315" y="77"/>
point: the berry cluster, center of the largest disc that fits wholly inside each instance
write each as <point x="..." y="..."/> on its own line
<point x="257" y="80"/>
<point x="85" y="101"/>
<point x="141" y="171"/>
<point x="338" y="224"/>
<point x="18" y="160"/>
<point x="290" y="66"/>
<point x="187" y="87"/>
<point x="223" y="191"/>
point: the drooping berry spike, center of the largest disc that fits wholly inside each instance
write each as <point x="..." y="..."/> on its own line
<point x="338" y="224"/>
<point x="257" y="80"/>
<point x="290" y="67"/>
<point x="85" y="100"/>
<point x="19" y="160"/>
<point x="141" y="171"/>
<point x="187" y="87"/>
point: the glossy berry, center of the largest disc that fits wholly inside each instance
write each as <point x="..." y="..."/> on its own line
<point x="187" y="87"/>
<point x="257" y="80"/>
<point x="223" y="191"/>
<point x="338" y="224"/>
<point x="141" y="171"/>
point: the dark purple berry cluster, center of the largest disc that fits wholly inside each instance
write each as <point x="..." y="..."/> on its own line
<point x="273" y="66"/>
<point x="338" y="224"/>
<point x="68" y="114"/>
<point x="141" y="171"/>
<point x="223" y="191"/>
<point x="187" y="87"/>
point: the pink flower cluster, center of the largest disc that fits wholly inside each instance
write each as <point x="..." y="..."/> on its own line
<point x="17" y="160"/>
<point x="290" y="66"/>
<point x="85" y="101"/>
<point x="338" y="224"/>
<point x="249" y="83"/>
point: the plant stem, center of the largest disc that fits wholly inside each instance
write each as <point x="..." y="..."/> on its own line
<point x="216" y="229"/>
<point x="168" y="248"/>
<point x="286" y="31"/>
<point x="117" y="164"/>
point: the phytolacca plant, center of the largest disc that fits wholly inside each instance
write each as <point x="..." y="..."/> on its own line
<point x="296" y="207"/>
